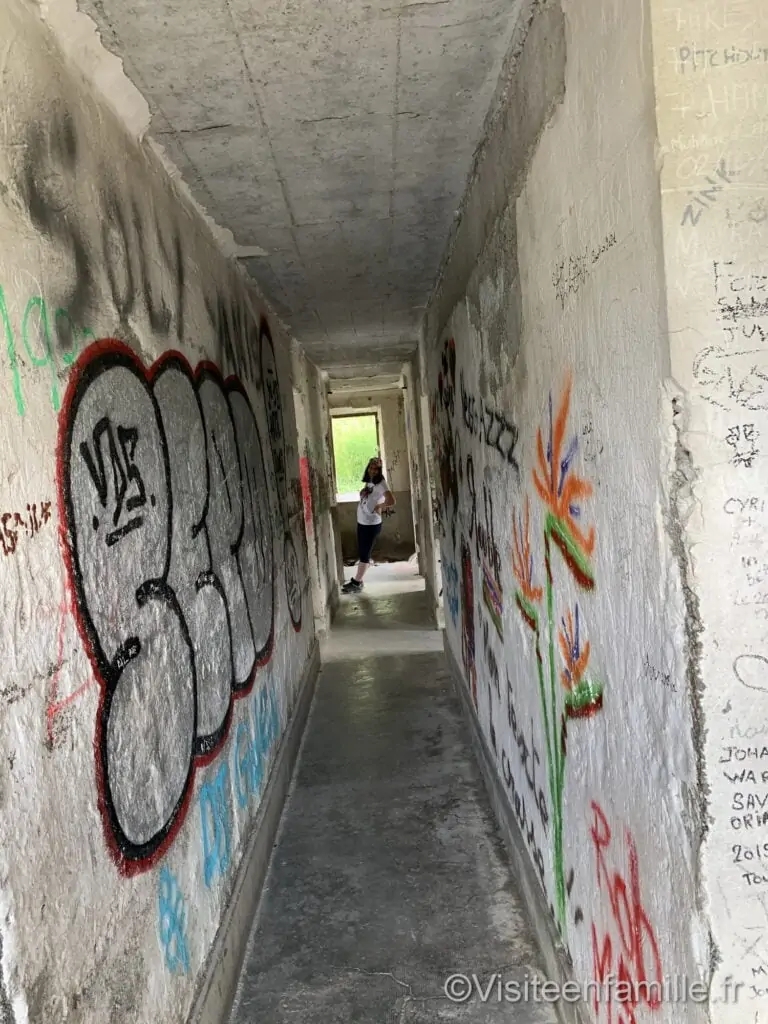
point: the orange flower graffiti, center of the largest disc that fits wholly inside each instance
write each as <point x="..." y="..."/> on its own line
<point x="522" y="559"/>
<point x="558" y="486"/>
<point x="576" y="659"/>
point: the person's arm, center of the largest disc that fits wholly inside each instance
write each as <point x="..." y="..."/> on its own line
<point x="388" y="501"/>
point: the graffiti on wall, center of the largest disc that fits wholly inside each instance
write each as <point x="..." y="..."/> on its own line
<point x="572" y="693"/>
<point x="492" y="427"/>
<point x="627" y="952"/>
<point x="16" y="525"/>
<point x="451" y="577"/>
<point x="292" y="581"/>
<point x="742" y="438"/>
<point x="167" y="536"/>
<point x="468" y="618"/>
<point x="529" y="757"/>
<point x="456" y="474"/>
<point x="50" y="341"/>
<point x="139" y="250"/>
<point x="443" y="406"/>
<point x="139" y="247"/>
<point x="271" y="390"/>
<point x="237" y="781"/>
<point x="493" y="682"/>
<point x="58" y="702"/>
<point x="306" y="493"/>
<point x="172" y="923"/>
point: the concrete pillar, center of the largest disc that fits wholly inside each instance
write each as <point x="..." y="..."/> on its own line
<point x="304" y="445"/>
<point x="432" y="570"/>
<point x="317" y="484"/>
<point x="711" y="68"/>
<point x="414" y="468"/>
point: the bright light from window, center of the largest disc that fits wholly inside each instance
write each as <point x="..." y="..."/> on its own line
<point x="355" y="441"/>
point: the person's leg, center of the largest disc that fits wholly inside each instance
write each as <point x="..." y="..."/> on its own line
<point x="366" y="537"/>
<point x="366" y="550"/>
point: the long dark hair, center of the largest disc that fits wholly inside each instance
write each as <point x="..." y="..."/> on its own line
<point x="367" y="478"/>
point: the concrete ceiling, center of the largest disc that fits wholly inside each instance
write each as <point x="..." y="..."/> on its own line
<point x="335" y="136"/>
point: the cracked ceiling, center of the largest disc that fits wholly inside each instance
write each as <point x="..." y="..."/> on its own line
<point x="335" y="138"/>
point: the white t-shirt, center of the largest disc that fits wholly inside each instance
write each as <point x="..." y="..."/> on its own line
<point x="365" y="514"/>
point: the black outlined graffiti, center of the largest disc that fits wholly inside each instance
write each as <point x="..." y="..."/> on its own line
<point x="236" y="333"/>
<point x="292" y="582"/>
<point x="167" y="530"/>
<point x="271" y="390"/>
<point x="491" y="426"/>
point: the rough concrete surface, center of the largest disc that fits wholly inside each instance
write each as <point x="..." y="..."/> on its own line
<point x="337" y="137"/>
<point x="389" y="874"/>
<point x="155" y="617"/>
<point x="715" y="257"/>
<point x="546" y="352"/>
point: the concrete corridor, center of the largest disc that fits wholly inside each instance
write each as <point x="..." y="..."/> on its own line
<point x="389" y="873"/>
<point x="514" y="249"/>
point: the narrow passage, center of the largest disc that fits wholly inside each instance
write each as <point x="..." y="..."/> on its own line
<point x="389" y="873"/>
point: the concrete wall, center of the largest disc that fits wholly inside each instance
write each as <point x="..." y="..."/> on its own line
<point x="317" y="484"/>
<point x="155" y="619"/>
<point x="417" y="487"/>
<point x="397" y="539"/>
<point x="430" y="474"/>
<point x="547" y="354"/>
<point x="712" y="110"/>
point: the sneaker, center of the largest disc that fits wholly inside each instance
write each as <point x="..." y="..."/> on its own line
<point x="352" y="587"/>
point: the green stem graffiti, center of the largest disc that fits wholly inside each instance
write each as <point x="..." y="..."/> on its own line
<point x="543" y="695"/>
<point x="558" y="758"/>
<point x="561" y="490"/>
<point x="584" y="700"/>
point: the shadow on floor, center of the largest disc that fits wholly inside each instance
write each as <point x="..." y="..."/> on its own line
<point x="389" y="873"/>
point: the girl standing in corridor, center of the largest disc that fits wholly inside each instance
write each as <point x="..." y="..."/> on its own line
<point x="374" y="498"/>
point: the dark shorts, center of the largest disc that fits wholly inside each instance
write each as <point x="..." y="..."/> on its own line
<point x="366" y="538"/>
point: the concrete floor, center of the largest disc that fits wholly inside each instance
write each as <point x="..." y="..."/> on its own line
<point x="389" y="873"/>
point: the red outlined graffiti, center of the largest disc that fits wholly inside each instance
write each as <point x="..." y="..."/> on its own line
<point x="626" y="959"/>
<point x="166" y="529"/>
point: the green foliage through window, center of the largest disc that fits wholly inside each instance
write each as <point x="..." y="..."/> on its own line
<point x="355" y="441"/>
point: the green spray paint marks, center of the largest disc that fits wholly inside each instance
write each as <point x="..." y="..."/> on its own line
<point x="11" y="350"/>
<point x="41" y="345"/>
<point x="577" y="696"/>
